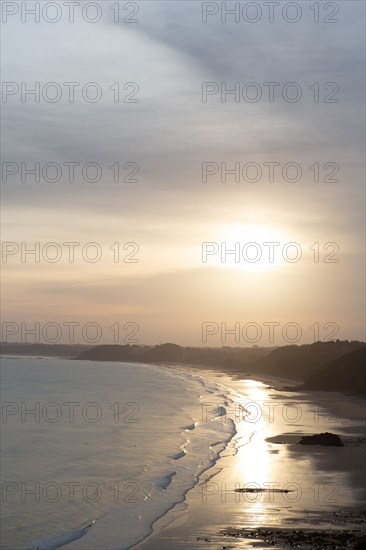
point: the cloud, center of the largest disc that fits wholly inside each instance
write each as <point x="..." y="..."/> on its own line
<point x="170" y="132"/>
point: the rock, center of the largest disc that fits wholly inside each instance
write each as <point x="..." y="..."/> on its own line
<point x="327" y="439"/>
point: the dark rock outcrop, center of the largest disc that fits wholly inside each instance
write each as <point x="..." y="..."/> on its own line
<point x="328" y="439"/>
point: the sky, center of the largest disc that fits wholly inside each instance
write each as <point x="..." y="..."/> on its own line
<point x="158" y="173"/>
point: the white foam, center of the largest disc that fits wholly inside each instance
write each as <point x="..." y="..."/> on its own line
<point x="53" y="543"/>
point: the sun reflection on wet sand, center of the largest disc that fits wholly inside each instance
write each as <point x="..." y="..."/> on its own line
<point x="271" y="482"/>
<point x="254" y="469"/>
<point x="264" y="480"/>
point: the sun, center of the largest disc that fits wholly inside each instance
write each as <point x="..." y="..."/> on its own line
<point x="252" y="247"/>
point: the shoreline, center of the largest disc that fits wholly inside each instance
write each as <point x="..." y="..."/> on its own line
<point x="289" y="384"/>
<point x="232" y="372"/>
<point x="232" y="522"/>
<point x="245" y="496"/>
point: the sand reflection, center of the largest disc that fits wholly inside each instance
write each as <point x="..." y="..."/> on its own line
<point x="257" y="469"/>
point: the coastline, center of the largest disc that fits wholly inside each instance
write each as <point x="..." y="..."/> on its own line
<point x="233" y="372"/>
<point x="227" y="508"/>
<point x="247" y="495"/>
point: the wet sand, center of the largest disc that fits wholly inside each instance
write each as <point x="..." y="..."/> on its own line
<point x="267" y="490"/>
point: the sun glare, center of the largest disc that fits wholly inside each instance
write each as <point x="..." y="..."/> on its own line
<point x="252" y="247"/>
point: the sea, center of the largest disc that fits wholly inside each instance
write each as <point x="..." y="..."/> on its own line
<point x="94" y="453"/>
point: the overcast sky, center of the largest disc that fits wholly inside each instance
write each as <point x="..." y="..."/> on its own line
<point x="168" y="132"/>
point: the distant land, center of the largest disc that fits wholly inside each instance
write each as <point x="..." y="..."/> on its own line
<point x="328" y="366"/>
<point x="347" y="372"/>
<point x="42" y="350"/>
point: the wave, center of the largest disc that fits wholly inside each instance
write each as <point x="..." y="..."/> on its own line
<point x="52" y="543"/>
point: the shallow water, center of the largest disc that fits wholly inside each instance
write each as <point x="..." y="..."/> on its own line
<point x="94" y="452"/>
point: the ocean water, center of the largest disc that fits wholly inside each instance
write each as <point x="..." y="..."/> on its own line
<point x="93" y="453"/>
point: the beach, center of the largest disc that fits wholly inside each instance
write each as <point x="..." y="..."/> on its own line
<point x="183" y="275"/>
<point x="266" y="490"/>
<point x="201" y="458"/>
